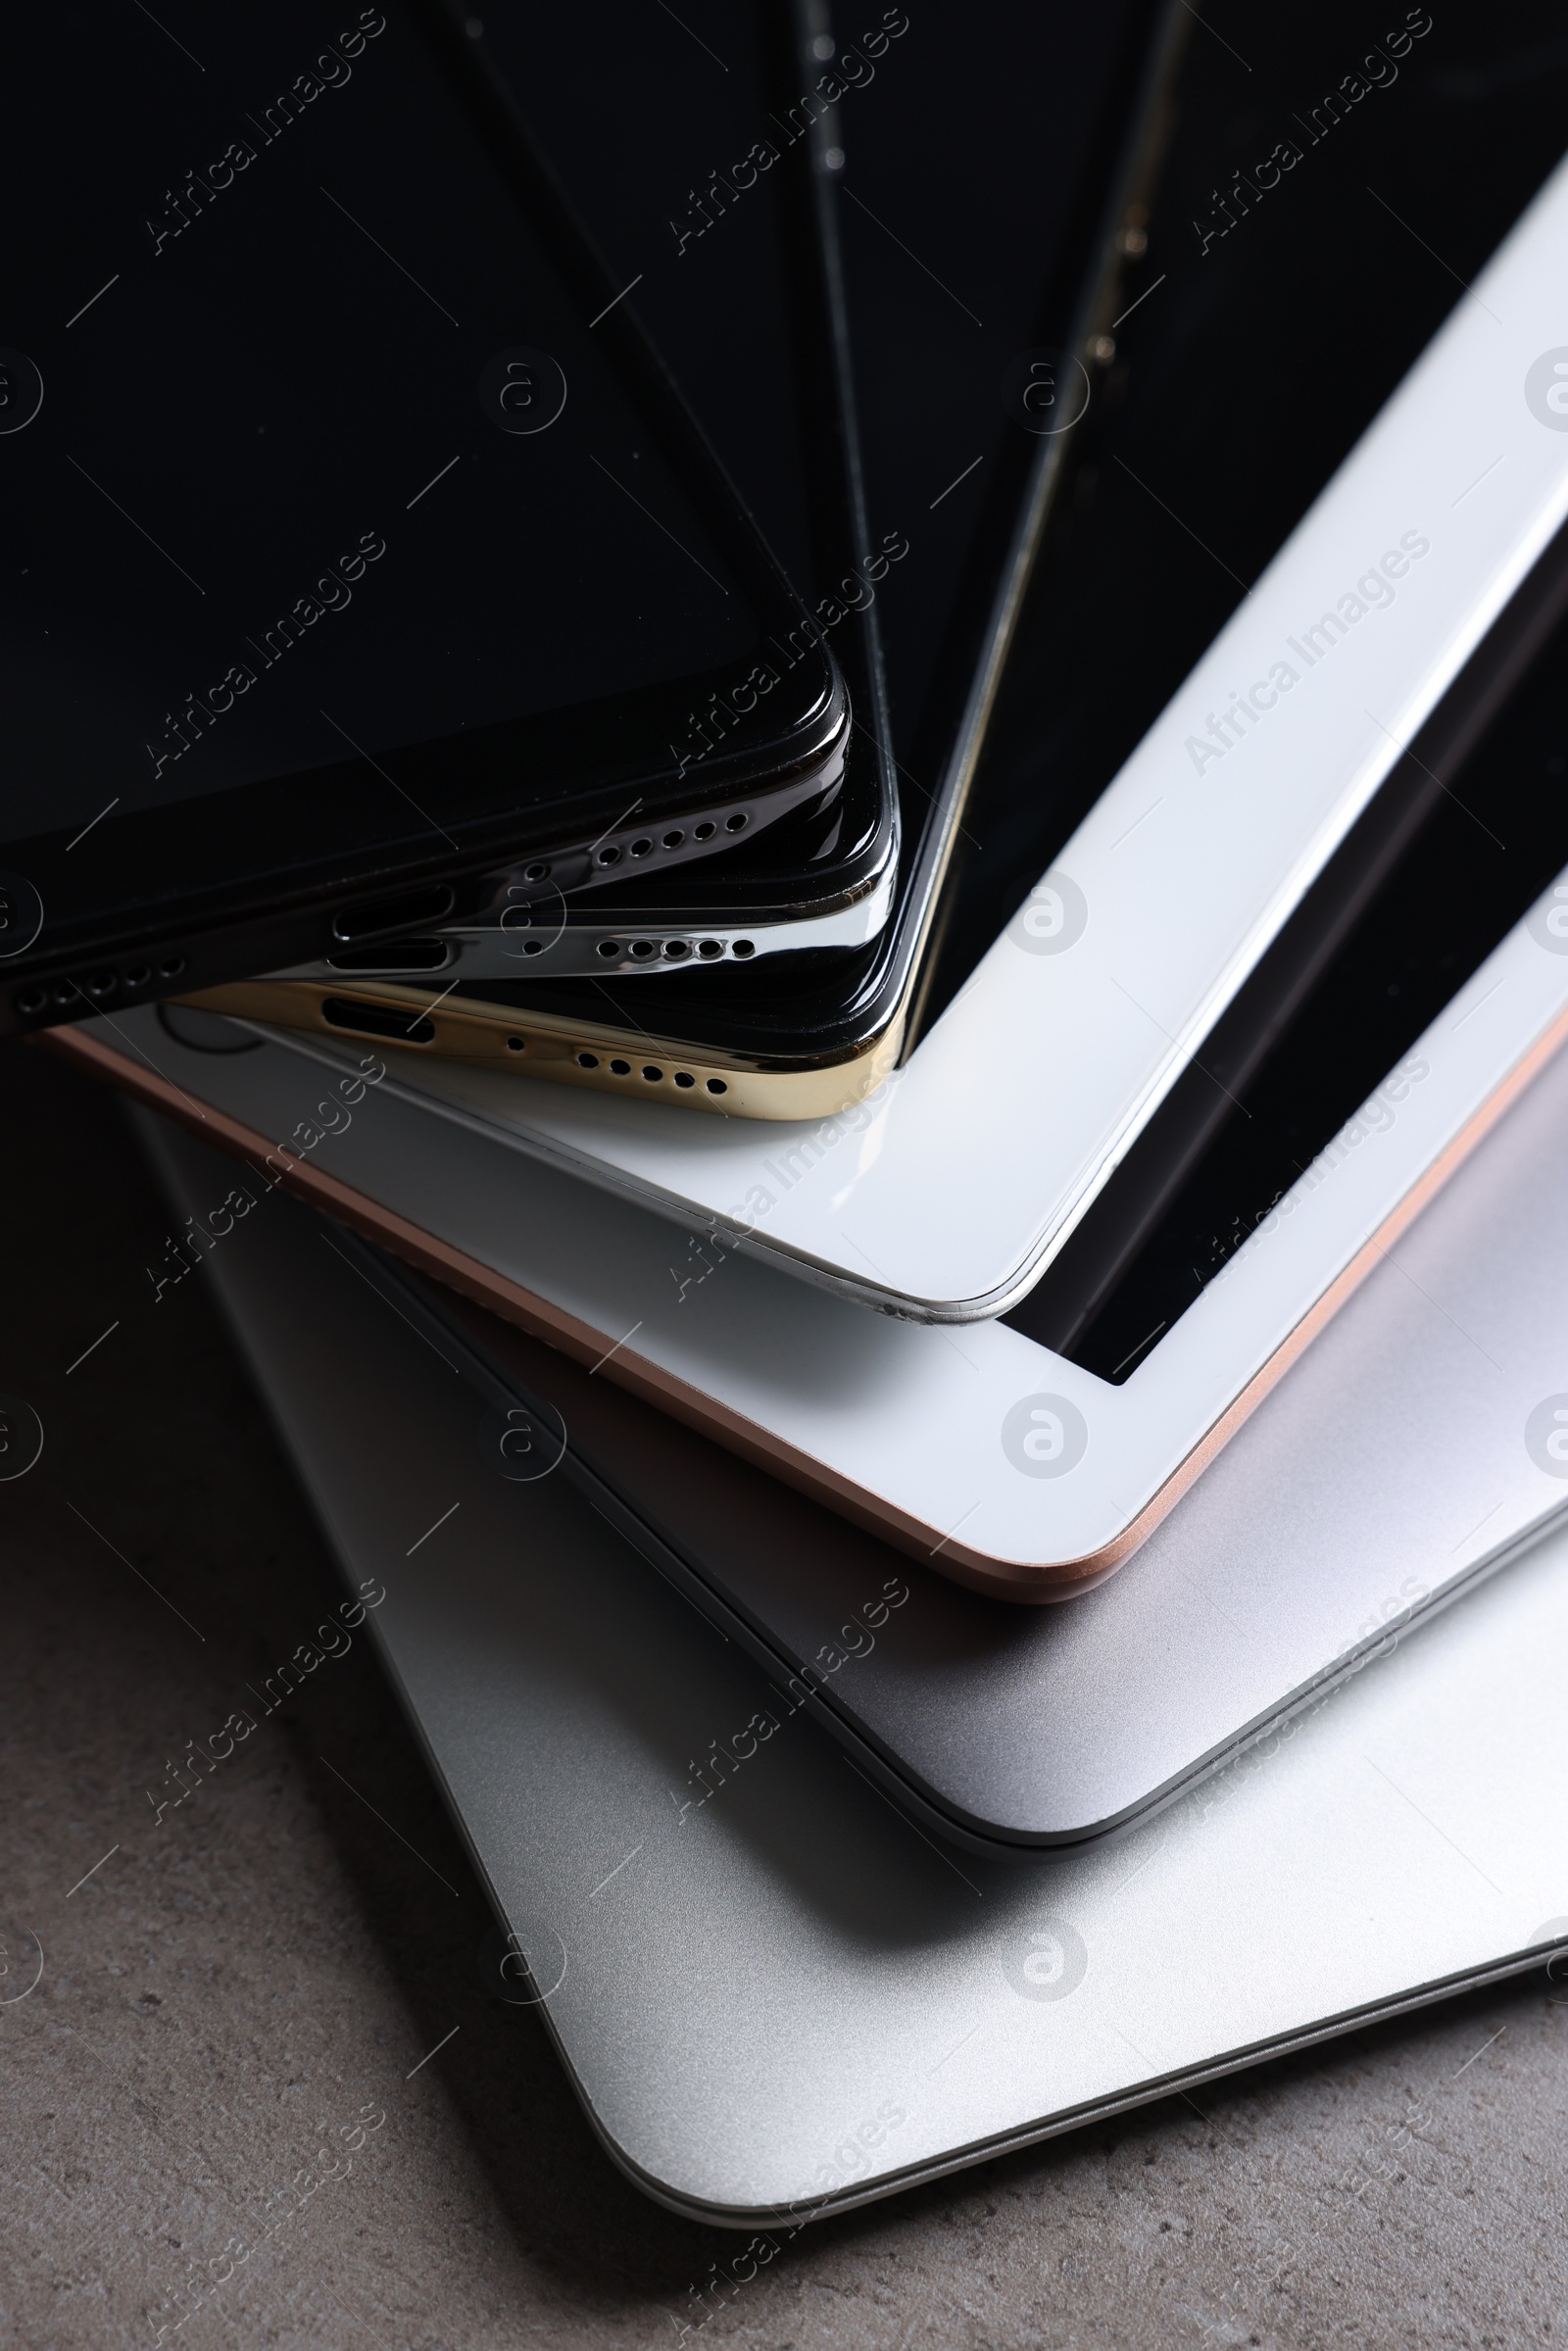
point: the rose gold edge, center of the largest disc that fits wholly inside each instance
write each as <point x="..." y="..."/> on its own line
<point x="980" y="1569"/>
<point x="1002" y="1579"/>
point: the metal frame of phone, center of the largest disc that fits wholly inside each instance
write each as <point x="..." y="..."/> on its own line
<point x="546" y="944"/>
<point x="1005" y="1466"/>
<point x="972" y="1164"/>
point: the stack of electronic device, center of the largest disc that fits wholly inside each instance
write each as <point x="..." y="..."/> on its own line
<point x="991" y="623"/>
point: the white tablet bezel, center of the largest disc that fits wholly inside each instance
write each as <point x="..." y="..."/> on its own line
<point x="946" y="1192"/>
<point x="1000" y="1463"/>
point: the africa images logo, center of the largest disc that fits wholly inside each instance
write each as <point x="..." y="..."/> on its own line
<point x="1052" y="917"/>
<point x="1045" y="1435"/>
<point x="1047" y="1961"/>
<point x="1547" y="1435"/>
<point x="1245" y="709"/>
<point x="1546" y="389"/>
<point x="1547" y="920"/>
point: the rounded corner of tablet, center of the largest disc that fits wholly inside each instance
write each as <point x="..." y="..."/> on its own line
<point x="1033" y="1583"/>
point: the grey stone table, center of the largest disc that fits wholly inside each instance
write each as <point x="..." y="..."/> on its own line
<point x="220" y="2004"/>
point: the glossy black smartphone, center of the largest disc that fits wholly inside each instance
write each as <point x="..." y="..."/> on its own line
<point x="979" y="225"/>
<point x="356" y="542"/>
<point x="750" y="325"/>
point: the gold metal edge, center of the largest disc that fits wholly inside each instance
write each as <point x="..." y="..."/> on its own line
<point x="552" y="1049"/>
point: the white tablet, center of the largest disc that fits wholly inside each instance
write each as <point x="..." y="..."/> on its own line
<point x="1003" y="1463"/>
<point x="946" y="1192"/>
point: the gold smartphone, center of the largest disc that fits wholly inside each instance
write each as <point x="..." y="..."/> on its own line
<point x="573" y="1052"/>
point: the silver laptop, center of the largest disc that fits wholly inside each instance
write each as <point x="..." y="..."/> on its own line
<point x="775" y="1994"/>
<point x="1393" y="1467"/>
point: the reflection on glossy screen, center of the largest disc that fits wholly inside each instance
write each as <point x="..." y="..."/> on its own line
<point x="308" y="443"/>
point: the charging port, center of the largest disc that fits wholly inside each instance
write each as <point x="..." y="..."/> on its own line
<point x="378" y="1021"/>
<point x="414" y="910"/>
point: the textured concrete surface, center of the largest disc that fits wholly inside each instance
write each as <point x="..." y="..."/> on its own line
<point x="252" y="1980"/>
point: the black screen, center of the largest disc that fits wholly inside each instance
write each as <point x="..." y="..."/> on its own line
<point x="973" y="151"/>
<point x="1497" y="837"/>
<point x="275" y="322"/>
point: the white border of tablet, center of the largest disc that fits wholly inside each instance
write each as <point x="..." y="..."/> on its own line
<point x="948" y="1192"/>
<point x="919" y="1432"/>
